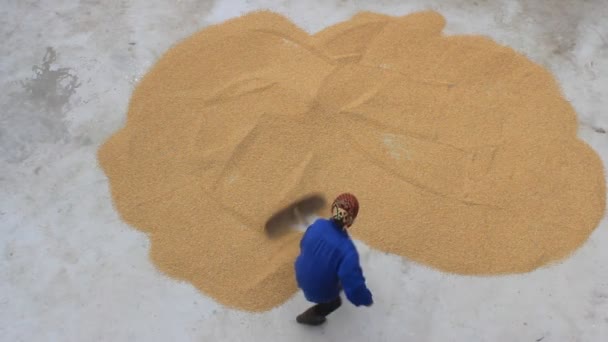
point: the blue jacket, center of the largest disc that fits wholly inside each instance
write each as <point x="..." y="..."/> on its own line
<point x="329" y="262"/>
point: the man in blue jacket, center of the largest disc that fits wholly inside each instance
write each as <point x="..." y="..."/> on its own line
<point x="329" y="263"/>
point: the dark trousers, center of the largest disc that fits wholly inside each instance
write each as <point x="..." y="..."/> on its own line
<point x="324" y="309"/>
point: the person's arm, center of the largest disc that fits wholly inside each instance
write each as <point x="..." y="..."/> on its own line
<point x="353" y="282"/>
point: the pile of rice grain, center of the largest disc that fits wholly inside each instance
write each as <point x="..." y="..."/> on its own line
<point x="463" y="153"/>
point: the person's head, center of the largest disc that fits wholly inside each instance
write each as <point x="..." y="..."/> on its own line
<point x="344" y="209"/>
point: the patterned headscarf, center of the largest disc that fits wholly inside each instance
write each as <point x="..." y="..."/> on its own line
<point x="345" y="208"/>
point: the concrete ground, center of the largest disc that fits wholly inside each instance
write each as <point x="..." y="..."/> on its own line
<point x="70" y="270"/>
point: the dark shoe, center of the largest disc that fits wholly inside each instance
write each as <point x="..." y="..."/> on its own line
<point x="309" y="317"/>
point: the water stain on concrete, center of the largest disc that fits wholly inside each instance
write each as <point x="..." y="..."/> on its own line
<point x="36" y="109"/>
<point x="50" y="89"/>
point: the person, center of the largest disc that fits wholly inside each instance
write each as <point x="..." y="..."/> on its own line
<point x="329" y="263"/>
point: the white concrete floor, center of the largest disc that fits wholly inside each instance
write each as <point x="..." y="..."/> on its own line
<point x="70" y="270"/>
